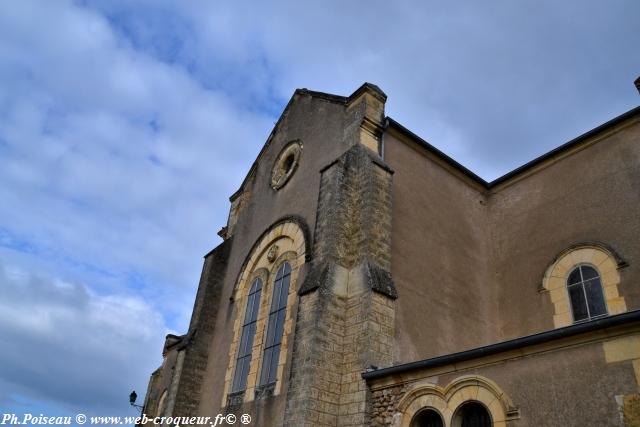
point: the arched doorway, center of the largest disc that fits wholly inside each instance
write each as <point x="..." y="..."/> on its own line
<point x="472" y="414"/>
<point x="427" y="418"/>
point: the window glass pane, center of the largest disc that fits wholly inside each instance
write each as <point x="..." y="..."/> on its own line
<point x="252" y="332"/>
<point x="274" y="364"/>
<point x="266" y="365"/>
<point x="578" y="304"/>
<point x="427" y="418"/>
<point x="240" y="378"/>
<point x="280" y="273"/>
<point x="285" y="292"/>
<point x="279" y="326"/>
<point x="595" y="298"/>
<point x="249" y="331"/>
<point x="287" y="268"/>
<point x="256" y="306"/>
<point x="257" y="284"/>
<point x="245" y="346"/>
<point x="475" y="415"/>
<point x="588" y="272"/>
<point x="271" y="330"/>
<point x="574" y="277"/>
<point x="277" y="287"/>
<point x="243" y="343"/>
<point x="236" y="375"/>
<point x="249" y="311"/>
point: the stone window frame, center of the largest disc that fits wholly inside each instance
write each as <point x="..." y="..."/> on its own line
<point x="447" y="400"/>
<point x="162" y="404"/>
<point x="606" y="262"/>
<point x="286" y="164"/>
<point x="288" y="239"/>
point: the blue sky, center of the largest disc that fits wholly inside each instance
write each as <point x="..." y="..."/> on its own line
<point x="125" y="126"/>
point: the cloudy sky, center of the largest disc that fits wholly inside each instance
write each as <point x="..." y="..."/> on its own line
<point x="125" y="126"/>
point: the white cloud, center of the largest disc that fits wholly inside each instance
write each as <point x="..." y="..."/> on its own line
<point x="63" y="343"/>
<point x="124" y="153"/>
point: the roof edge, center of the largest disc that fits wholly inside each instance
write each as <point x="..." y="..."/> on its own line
<point x="342" y="100"/>
<point x="389" y="122"/>
<point x="527" y="166"/>
<point x="566" y="146"/>
<point x="503" y="346"/>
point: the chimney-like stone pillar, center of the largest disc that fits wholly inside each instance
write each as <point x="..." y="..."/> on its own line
<point x="365" y="117"/>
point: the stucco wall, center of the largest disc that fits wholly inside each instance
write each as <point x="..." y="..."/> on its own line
<point x="468" y="263"/>
<point x="591" y="195"/>
<point x="439" y="248"/>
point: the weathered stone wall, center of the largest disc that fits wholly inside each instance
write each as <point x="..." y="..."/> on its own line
<point x="158" y="383"/>
<point x="346" y="314"/>
<point x="385" y="405"/>
<point x="201" y="331"/>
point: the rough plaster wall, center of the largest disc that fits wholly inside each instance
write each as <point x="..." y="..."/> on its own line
<point x="468" y="264"/>
<point x="446" y="301"/>
<point x="592" y="195"/>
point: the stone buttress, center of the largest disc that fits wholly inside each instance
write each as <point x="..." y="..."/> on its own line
<point x="346" y="309"/>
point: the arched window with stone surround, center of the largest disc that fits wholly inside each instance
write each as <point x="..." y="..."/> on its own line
<point x="467" y="401"/>
<point x="275" y="325"/>
<point x="585" y="293"/>
<point x="573" y="271"/>
<point x="248" y="332"/>
<point x="283" y="243"/>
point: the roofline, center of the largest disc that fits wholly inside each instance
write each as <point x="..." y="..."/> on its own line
<point x="321" y="95"/>
<point x="389" y="122"/>
<point x="527" y="166"/>
<point x="529" y="340"/>
<point x="337" y="99"/>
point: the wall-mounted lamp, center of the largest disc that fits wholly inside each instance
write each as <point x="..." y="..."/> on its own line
<point x="132" y="400"/>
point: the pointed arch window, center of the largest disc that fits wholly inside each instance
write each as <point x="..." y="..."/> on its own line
<point x="275" y="326"/>
<point x="585" y="293"/>
<point x="246" y="341"/>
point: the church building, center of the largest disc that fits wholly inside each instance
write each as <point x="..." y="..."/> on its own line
<point x="365" y="278"/>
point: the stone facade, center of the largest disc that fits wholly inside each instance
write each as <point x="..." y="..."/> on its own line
<point x="415" y="287"/>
